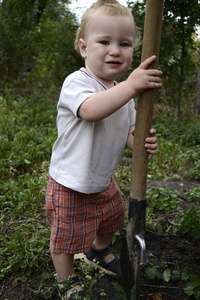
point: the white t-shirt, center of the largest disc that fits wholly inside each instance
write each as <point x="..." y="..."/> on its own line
<point x="86" y="154"/>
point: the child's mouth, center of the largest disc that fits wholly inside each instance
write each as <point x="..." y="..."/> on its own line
<point x="114" y="63"/>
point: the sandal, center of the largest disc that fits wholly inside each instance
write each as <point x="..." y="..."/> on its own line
<point x="71" y="283"/>
<point x="95" y="258"/>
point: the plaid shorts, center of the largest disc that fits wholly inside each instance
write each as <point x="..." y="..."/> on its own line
<point x="75" y="218"/>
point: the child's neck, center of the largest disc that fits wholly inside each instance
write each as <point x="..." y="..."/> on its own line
<point x="107" y="84"/>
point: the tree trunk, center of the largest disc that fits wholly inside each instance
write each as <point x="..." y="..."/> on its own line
<point x="197" y="100"/>
<point x="181" y="82"/>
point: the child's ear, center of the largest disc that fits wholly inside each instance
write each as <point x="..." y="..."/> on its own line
<point x="83" y="48"/>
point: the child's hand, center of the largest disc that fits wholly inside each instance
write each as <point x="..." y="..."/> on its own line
<point x="142" y="78"/>
<point x="151" y="142"/>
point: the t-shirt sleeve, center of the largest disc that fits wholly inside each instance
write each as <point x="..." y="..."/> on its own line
<point x="75" y="91"/>
<point x="132" y="115"/>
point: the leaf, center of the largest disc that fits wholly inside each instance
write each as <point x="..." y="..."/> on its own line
<point x="27" y="161"/>
<point x="185" y="275"/>
<point x="189" y="289"/>
<point x="151" y="272"/>
<point x="167" y="275"/>
<point x="18" y="279"/>
<point x="176" y="275"/>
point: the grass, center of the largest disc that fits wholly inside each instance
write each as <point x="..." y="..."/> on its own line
<point x="27" y="133"/>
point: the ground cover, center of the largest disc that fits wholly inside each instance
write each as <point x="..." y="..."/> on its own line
<point x="27" y="130"/>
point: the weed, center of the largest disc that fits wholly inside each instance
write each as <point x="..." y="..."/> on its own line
<point x="162" y="272"/>
<point x="44" y="289"/>
<point x="193" y="195"/>
<point x="163" y="199"/>
<point x="123" y="177"/>
<point x="24" y="249"/>
<point x="190" y="223"/>
<point x="193" y="287"/>
<point x="120" y="292"/>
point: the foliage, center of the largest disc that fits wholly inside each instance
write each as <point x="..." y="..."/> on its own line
<point x="163" y="199"/>
<point x="164" y="273"/>
<point x="160" y="272"/>
<point x="37" y="43"/>
<point x="193" y="286"/>
<point x="23" y="126"/>
<point x="37" y="49"/>
<point x="190" y="223"/>
<point x="178" y="56"/>
<point x="123" y="176"/>
<point x="25" y="249"/>
<point x="193" y="195"/>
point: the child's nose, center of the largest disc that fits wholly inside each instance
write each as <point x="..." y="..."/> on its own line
<point x="114" y="50"/>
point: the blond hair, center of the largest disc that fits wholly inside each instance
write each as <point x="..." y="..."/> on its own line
<point x="111" y="8"/>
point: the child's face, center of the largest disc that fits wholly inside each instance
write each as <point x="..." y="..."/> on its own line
<point x="108" y="46"/>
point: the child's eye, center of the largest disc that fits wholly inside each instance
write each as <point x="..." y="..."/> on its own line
<point x="124" y="44"/>
<point x="104" y="43"/>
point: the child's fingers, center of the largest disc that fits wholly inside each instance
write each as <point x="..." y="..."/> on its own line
<point x="147" y="62"/>
<point x="151" y="148"/>
<point x="152" y="151"/>
<point x="151" y="141"/>
<point x="151" y="72"/>
<point x="152" y="131"/>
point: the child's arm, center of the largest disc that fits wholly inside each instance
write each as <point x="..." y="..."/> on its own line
<point x="105" y="103"/>
<point x="151" y="142"/>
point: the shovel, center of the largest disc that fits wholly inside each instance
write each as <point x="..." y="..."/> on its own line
<point x="133" y="249"/>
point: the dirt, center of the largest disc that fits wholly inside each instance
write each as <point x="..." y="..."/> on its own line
<point x="179" y="252"/>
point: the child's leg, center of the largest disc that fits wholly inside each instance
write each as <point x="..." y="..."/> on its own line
<point x="111" y="210"/>
<point x="103" y="241"/>
<point x="63" y="264"/>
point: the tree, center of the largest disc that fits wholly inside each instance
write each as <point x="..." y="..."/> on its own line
<point x="183" y="15"/>
<point x="197" y="100"/>
<point x="177" y="46"/>
<point x="36" y="41"/>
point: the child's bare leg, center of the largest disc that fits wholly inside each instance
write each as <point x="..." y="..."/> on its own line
<point x="63" y="264"/>
<point x="102" y="241"/>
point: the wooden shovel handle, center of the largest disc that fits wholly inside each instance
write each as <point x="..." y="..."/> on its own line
<point x="151" y="46"/>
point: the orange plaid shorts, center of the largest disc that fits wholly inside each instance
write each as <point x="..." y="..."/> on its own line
<point x="75" y="218"/>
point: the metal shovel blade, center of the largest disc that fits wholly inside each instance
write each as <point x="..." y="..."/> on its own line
<point x="133" y="248"/>
<point x="136" y="229"/>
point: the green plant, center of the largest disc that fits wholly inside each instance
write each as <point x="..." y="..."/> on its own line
<point x="190" y="223"/>
<point x="193" y="195"/>
<point x="193" y="287"/>
<point x="194" y="172"/>
<point x="169" y="160"/>
<point x="123" y="177"/>
<point x="91" y="276"/>
<point x="163" y="199"/>
<point x="190" y="135"/>
<point x="161" y="272"/>
<point x="45" y="290"/>
<point x="25" y="249"/>
<point x="120" y="292"/>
